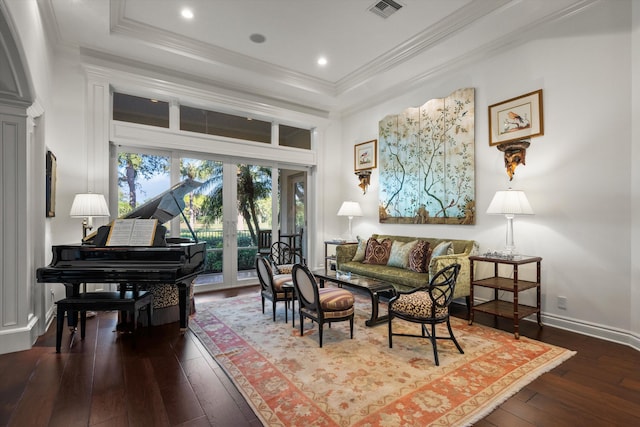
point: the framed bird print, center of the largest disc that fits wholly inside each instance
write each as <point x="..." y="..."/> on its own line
<point x="365" y="155"/>
<point x="516" y="118"/>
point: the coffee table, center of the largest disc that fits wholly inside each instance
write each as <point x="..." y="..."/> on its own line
<point x="375" y="288"/>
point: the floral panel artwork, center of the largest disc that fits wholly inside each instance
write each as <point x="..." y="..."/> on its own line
<point x="427" y="162"/>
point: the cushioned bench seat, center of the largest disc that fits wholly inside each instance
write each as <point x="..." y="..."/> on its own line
<point x="101" y="301"/>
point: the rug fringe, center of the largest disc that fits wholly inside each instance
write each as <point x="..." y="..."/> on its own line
<point x="517" y="386"/>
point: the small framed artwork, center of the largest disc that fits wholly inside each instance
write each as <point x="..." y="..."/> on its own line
<point x="365" y="155"/>
<point x="50" y="184"/>
<point x="516" y="118"/>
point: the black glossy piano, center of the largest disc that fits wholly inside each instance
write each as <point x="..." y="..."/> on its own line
<point x="167" y="261"/>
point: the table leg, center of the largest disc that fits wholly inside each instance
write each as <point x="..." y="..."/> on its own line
<point x="375" y="304"/>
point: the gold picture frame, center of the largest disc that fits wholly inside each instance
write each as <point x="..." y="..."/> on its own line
<point x="516" y="118"/>
<point x="365" y="155"/>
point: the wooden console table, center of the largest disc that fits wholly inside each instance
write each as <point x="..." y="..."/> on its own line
<point x="515" y="285"/>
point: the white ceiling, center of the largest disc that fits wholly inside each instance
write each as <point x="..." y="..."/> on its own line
<point x="368" y="56"/>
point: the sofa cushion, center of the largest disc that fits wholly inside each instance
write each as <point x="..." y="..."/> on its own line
<point x="442" y="248"/>
<point x="399" y="256"/>
<point x="362" y="247"/>
<point x="420" y="257"/>
<point x="377" y="252"/>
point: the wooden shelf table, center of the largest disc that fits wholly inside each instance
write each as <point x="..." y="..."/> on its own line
<point x="510" y="310"/>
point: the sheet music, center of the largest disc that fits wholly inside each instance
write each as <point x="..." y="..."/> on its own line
<point x="132" y="232"/>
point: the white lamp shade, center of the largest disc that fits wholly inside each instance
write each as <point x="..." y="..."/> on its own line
<point x="89" y="205"/>
<point x="510" y="202"/>
<point x="350" y="209"/>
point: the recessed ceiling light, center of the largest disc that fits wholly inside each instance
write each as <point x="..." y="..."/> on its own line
<point x="257" y="38"/>
<point x="322" y="61"/>
<point x="187" y="13"/>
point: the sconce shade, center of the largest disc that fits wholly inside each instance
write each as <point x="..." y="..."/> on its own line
<point x="89" y="205"/>
<point x="350" y="209"/>
<point x="510" y="202"/>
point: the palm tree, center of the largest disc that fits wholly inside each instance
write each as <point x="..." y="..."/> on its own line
<point x="254" y="184"/>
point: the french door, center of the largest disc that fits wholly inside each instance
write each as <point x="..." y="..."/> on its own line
<point x="230" y="208"/>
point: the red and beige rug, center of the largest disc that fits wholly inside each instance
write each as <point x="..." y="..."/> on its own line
<point x="290" y="381"/>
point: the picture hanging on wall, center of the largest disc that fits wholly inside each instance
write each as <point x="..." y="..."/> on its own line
<point x="50" y="184"/>
<point x="365" y="155"/>
<point x="427" y="162"/>
<point x="516" y="118"/>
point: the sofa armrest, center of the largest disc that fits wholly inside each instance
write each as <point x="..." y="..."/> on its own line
<point x="463" y="284"/>
<point x="345" y="253"/>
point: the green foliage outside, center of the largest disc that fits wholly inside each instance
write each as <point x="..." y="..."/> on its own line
<point x="203" y="207"/>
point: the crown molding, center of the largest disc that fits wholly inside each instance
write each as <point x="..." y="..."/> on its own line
<point x="146" y="80"/>
<point x="185" y="46"/>
<point x="508" y="41"/>
<point x="418" y="44"/>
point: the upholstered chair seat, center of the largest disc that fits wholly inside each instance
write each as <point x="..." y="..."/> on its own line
<point x="336" y="303"/>
<point x="419" y="305"/>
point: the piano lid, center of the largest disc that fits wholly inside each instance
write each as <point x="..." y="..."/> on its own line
<point x="165" y="206"/>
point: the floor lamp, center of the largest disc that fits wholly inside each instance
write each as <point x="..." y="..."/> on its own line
<point x="350" y="209"/>
<point x="510" y="203"/>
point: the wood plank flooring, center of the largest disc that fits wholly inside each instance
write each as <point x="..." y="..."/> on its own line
<point x="168" y="379"/>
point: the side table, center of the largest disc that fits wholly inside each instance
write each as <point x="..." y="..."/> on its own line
<point x="328" y="258"/>
<point x="515" y="285"/>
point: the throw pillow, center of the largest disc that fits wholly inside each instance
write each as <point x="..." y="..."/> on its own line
<point x="399" y="256"/>
<point x="442" y="249"/>
<point x="420" y="257"/>
<point x="377" y="252"/>
<point x="362" y="247"/>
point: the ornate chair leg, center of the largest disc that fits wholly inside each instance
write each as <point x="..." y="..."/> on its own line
<point x="390" y="332"/>
<point x="320" y="332"/>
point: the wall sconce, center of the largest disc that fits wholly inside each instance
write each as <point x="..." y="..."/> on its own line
<point x="365" y="180"/>
<point x="514" y="155"/>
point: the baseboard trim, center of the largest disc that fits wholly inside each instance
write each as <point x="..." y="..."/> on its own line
<point x="19" y="338"/>
<point x="607" y="333"/>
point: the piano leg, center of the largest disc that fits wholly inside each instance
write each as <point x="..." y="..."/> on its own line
<point x="72" y="290"/>
<point x="183" y="304"/>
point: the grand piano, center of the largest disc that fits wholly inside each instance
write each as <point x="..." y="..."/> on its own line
<point x="167" y="261"/>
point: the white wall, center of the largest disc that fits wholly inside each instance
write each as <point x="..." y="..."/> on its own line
<point x="577" y="177"/>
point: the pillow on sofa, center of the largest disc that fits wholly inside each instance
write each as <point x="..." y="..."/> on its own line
<point x="399" y="256"/>
<point x="377" y="252"/>
<point x="362" y="247"/>
<point x="442" y="248"/>
<point x="420" y="257"/>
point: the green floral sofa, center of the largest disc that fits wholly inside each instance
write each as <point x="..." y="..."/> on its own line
<point x="405" y="279"/>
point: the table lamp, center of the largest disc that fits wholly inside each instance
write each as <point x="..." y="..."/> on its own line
<point x="510" y="203"/>
<point x="86" y="206"/>
<point x="350" y="209"/>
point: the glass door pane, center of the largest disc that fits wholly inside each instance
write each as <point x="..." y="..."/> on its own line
<point x="254" y="217"/>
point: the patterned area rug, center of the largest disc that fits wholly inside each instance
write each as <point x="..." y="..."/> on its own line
<point x="290" y="381"/>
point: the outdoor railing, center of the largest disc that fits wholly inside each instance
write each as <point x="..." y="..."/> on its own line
<point x="247" y="249"/>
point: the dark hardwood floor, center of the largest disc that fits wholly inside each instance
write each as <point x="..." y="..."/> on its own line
<point x="168" y="379"/>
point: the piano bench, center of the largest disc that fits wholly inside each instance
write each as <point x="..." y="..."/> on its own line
<point x="102" y="301"/>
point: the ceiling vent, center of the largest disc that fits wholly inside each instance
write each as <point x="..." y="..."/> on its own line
<point x="385" y="8"/>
